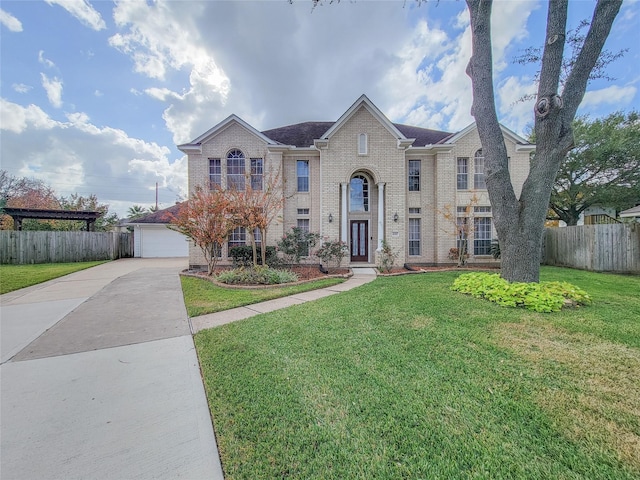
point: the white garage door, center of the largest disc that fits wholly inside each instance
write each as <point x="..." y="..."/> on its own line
<point x="162" y="242"/>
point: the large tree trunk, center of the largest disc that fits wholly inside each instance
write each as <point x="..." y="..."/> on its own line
<point x="520" y="221"/>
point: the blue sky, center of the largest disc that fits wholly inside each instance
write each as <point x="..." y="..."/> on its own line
<point x="97" y="94"/>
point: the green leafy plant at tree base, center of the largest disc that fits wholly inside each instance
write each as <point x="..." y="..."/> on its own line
<point x="540" y="297"/>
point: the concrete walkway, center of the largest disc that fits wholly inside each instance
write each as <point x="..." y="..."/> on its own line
<point x="100" y="379"/>
<point x="360" y="277"/>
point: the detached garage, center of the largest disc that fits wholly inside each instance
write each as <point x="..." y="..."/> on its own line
<point x="152" y="237"/>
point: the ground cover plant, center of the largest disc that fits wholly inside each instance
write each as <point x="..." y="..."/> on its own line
<point x="202" y="296"/>
<point x="14" y="277"/>
<point x="403" y="378"/>
<point x="539" y="297"/>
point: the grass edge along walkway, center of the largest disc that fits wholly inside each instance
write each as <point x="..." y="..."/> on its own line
<point x="15" y="277"/>
<point x="402" y="378"/>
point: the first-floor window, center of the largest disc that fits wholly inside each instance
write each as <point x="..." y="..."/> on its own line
<point x="257" y="236"/>
<point x="463" y="230"/>
<point x="303" y="224"/>
<point x="414" y="236"/>
<point x="482" y="236"/>
<point x="217" y="249"/>
<point x="237" y="238"/>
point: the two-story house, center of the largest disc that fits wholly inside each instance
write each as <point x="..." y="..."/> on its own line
<point x="362" y="179"/>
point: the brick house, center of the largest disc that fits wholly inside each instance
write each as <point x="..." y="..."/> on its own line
<point x="362" y="179"/>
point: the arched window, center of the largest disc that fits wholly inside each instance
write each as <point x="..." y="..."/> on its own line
<point x="478" y="171"/>
<point x="359" y="194"/>
<point x="235" y="169"/>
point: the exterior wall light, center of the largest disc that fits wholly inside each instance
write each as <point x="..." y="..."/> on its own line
<point x="330" y="218"/>
<point x="395" y="217"/>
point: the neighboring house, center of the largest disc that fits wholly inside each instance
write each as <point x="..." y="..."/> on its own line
<point x="362" y="180"/>
<point x="597" y="215"/>
<point x="153" y="238"/>
<point x="631" y="213"/>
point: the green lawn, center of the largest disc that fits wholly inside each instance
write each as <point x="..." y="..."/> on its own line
<point x="202" y="296"/>
<point x="402" y="378"/>
<point x="14" y="277"/>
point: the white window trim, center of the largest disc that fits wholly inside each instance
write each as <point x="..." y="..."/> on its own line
<point x="363" y="148"/>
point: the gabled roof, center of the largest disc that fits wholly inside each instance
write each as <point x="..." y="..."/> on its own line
<point x="161" y="216"/>
<point x="195" y="146"/>
<point x="364" y="101"/>
<point x="300" y="134"/>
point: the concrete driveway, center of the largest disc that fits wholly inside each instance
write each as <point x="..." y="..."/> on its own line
<point x="100" y="379"/>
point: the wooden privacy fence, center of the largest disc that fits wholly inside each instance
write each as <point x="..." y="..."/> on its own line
<point x="599" y="248"/>
<point x="25" y="247"/>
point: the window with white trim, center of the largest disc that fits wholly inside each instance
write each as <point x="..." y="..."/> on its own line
<point x="359" y="194"/>
<point x="478" y="171"/>
<point x="235" y="170"/>
<point x="237" y="238"/>
<point x="414" y="236"/>
<point x="215" y="173"/>
<point x="414" y="211"/>
<point x="302" y="171"/>
<point x="303" y="224"/>
<point x="303" y="211"/>
<point x="257" y="173"/>
<point x="482" y="236"/>
<point x="363" y="146"/>
<point x="414" y="175"/>
<point x="462" y="179"/>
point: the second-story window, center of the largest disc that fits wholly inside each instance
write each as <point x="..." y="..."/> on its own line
<point x="257" y="173"/>
<point x="363" y="147"/>
<point x="359" y="194"/>
<point x="215" y="173"/>
<point x="462" y="173"/>
<point x="302" y="171"/>
<point x="478" y="171"/>
<point x="235" y="170"/>
<point x="414" y="175"/>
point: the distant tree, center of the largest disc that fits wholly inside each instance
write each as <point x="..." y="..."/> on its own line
<point x="90" y="203"/>
<point x="24" y="192"/>
<point x="136" y="211"/>
<point x="207" y="219"/>
<point x="603" y="168"/>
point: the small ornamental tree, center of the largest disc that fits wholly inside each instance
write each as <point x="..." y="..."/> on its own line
<point x="463" y="227"/>
<point x="257" y="206"/>
<point x="207" y="219"/>
<point x="332" y="252"/>
<point x="296" y="244"/>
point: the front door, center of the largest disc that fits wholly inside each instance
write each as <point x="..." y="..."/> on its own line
<point x="359" y="241"/>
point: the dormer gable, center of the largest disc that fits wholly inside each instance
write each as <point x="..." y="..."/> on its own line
<point x="521" y="144"/>
<point x="364" y="102"/>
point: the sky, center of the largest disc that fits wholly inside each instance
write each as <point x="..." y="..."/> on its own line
<point x="95" y="95"/>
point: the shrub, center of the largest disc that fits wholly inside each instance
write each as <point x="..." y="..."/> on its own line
<point x="256" y="276"/>
<point x="332" y="252"/>
<point x="387" y="258"/>
<point x="297" y="244"/>
<point x="539" y="297"/>
<point x="495" y="250"/>
<point x="242" y="256"/>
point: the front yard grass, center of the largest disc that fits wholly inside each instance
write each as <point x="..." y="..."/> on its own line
<point x="202" y="297"/>
<point x="402" y="378"/>
<point x="14" y="277"/>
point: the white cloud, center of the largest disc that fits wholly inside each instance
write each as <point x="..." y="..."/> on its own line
<point x="77" y="156"/>
<point x="83" y="11"/>
<point x="45" y="61"/>
<point x="53" y="87"/>
<point x="21" y="87"/>
<point x="98" y="93"/>
<point x="613" y="95"/>
<point x="15" y="118"/>
<point x="514" y="113"/>
<point x="9" y="21"/>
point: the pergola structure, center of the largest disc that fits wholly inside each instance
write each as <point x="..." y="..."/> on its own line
<point x="19" y="214"/>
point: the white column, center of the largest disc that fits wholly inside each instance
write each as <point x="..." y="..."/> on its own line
<point x="343" y="214"/>
<point x="380" y="214"/>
